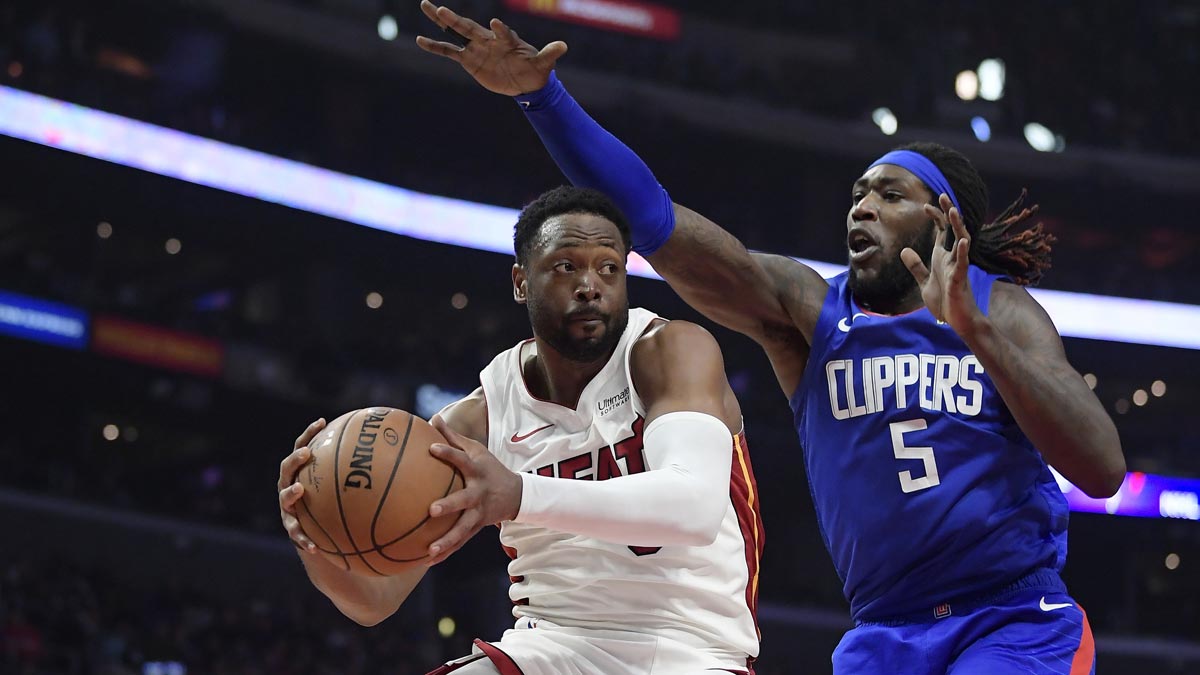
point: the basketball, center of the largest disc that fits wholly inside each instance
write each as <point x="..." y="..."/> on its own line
<point x="367" y="491"/>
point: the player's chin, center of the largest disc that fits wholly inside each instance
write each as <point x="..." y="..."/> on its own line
<point x="861" y="275"/>
<point x="587" y="349"/>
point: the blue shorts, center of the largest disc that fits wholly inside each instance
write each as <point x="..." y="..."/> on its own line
<point x="1030" y="627"/>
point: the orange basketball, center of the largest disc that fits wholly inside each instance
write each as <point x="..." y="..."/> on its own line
<point x="368" y="488"/>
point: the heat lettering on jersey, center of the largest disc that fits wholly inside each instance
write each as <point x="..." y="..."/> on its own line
<point x="601" y="464"/>
<point x="935" y="382"/>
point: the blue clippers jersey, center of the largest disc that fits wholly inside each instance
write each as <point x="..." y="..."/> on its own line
<point x="925" y="487"/>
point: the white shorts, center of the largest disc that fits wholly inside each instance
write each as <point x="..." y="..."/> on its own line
<point x="548" y="649"/>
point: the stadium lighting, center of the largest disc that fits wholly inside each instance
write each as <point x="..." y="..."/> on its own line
<point x="885" y="120"/>
<point x="1159" y="388"/>
<point x="484" y="227"/>
<point x="1040" y="138"/>
<point x="983" y="130"/>
<point x="374" y="300"/>
<point x="966" y="85"/>
<point x="991" y="79"/>
<point x="388" y="30"/>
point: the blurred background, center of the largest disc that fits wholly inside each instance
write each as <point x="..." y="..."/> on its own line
<point x="173" y="312"/>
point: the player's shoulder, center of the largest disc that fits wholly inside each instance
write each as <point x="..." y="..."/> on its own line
<point x="1010" y="302"/>
<point x="468" y="415"/>
<point x="667" y="338"/>
<point x="667" y="347"/>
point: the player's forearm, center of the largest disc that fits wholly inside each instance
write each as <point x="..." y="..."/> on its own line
<point x="1055" y="409"/>
<point x="592" y="157"/>
<point x="705" y="264"/>
<point x="366" y="601"/>
<point x="681" y="501"/>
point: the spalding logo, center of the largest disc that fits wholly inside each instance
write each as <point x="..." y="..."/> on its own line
<point x="364" y="451"/>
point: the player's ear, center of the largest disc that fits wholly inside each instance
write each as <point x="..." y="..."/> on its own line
<point x="519" y="283"/>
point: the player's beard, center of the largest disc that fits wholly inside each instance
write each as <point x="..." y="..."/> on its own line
<point x="556" y="331"/>
<point x="894" y="282"/>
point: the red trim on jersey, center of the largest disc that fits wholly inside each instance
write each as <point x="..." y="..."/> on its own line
<point x="1085" y="654"/>
<point x="503" y="661"/>
<point x="512" y="555"/>
<point x="521" y="373"/>
<point x="743" y="492"/>
<point x="455" y="665"/>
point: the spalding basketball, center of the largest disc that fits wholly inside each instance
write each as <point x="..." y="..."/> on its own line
<point x="367" y="491"/>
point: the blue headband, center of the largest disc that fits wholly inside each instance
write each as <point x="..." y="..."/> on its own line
<point x="922" y="168"/>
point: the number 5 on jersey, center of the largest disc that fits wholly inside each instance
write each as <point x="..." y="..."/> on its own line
<point x="925" y="454"/>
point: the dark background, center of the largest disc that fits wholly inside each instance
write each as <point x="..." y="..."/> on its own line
<point x="164" y="545"/>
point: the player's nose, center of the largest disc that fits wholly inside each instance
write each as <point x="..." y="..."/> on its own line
<point x="587" y="290"/>
<point x="866" y="209"/>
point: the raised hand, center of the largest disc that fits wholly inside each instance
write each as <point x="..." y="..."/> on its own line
<point x="491" y="494"/>
<point x="946" y="289"/>
<point x="290" y="491"/>
<point x="496" y="58"/>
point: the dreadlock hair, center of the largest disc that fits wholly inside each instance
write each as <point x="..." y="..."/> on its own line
<point x="1000" y="247"/>
<point x="561" y="200"/>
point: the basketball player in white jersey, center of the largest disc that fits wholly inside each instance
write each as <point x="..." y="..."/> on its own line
<point x="609" y="450"/>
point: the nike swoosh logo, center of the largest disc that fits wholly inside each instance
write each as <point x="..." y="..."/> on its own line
<point x="1049" y="608"/>
<point x="518" y="438"/>
<point x="844" y="325"/>
<point x="524" y="104"/>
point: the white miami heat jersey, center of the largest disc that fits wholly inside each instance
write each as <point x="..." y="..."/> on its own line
<point x="703" y="596"/>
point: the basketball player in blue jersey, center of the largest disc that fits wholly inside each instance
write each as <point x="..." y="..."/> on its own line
<point x="930" y="391"/>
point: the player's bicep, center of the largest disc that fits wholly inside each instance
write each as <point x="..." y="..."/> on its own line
<point x="800" y="290"/>
<point x="468" y="416"/>
<point x="716" y="274"/>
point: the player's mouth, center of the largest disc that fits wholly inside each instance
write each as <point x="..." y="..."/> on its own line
<point x="861" y="245"/>
<point x="587" y="319"/>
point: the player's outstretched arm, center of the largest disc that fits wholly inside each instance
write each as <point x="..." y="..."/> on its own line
<point x="1022" y="352"/>
<point x="367" y="601"/>
<point x="772" y="299"/>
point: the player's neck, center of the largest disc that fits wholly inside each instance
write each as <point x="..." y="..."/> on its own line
<point x="553" y="377"/>
<point x="909" y="302"/>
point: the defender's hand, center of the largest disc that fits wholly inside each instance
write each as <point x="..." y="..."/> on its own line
<point x="496" y="58"/>
<point x="946" y="289"/>
<point x="290" y="491"/>
<point x="491" y="494"/>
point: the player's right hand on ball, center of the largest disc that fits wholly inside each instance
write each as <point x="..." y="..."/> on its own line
<point x="496" y="58"/>
<point x="290" y="491"/>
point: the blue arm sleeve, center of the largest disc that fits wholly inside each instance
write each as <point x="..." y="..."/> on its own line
<point x="592" y="157"/>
